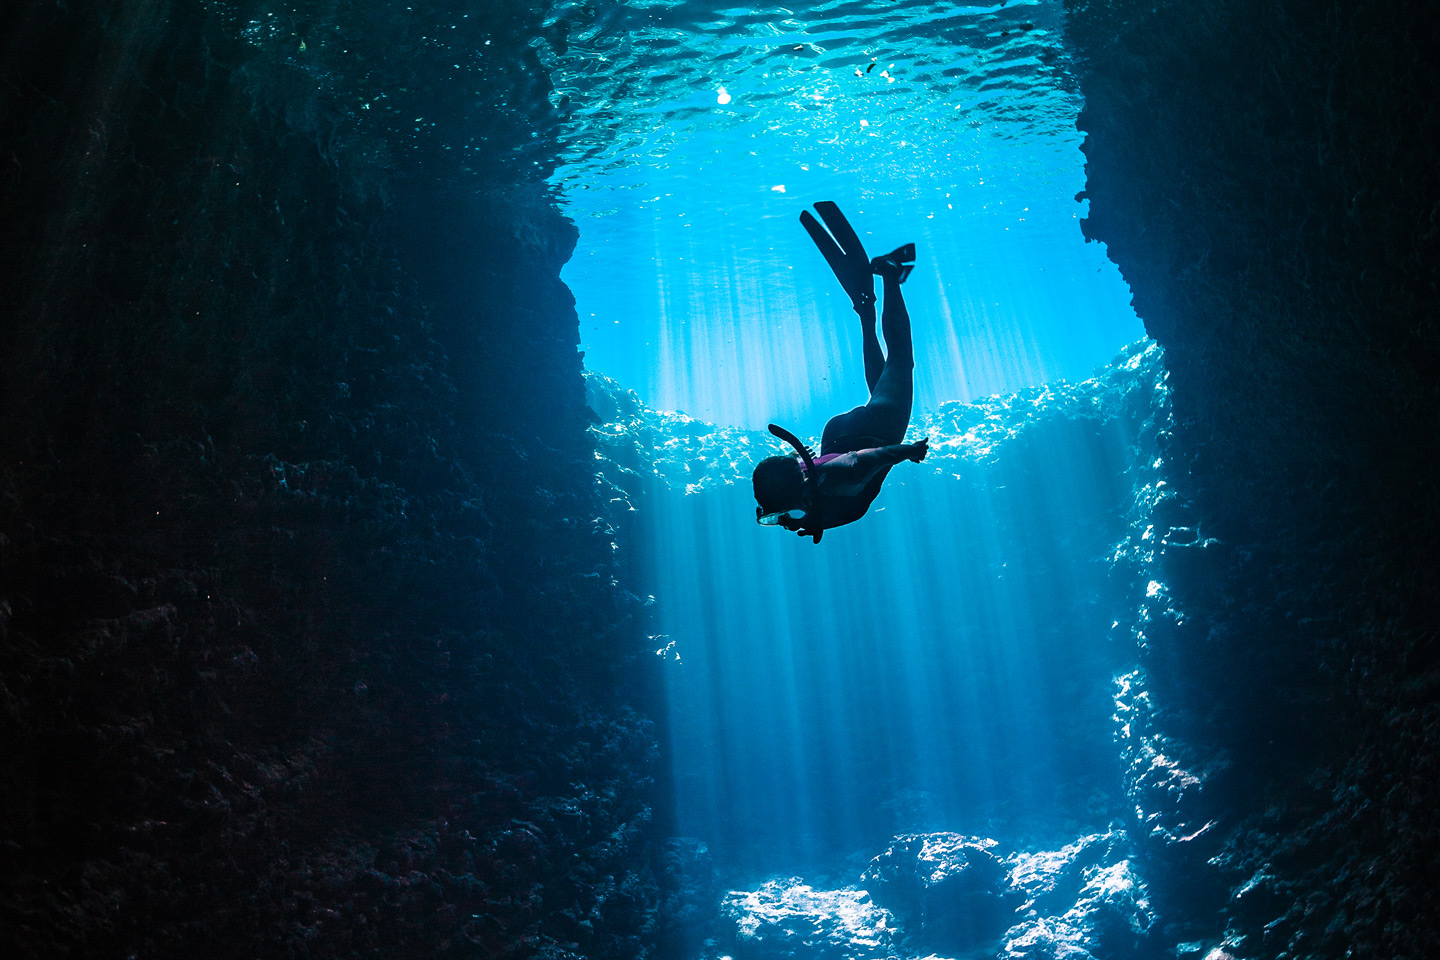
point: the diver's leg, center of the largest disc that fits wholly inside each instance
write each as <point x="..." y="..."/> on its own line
<point x="886" y="416"/>
<point x="874" y="356"/>
<point x="895" y="322"/>
<point x="893" y="394"/>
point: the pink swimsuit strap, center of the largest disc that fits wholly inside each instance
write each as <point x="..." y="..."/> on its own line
<point x="823" y="458"/>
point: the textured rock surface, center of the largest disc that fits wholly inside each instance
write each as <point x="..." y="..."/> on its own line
<point x="1262" y="174"/>
<point x="948" y="891"/>
<point x="1045" y="881"/>
<point x="661" y="450"/>
<point x="1088" y="898"/>
<point x="788" y="919"/>
<point x="948" y="895"/>
<point x="309" y="642"/>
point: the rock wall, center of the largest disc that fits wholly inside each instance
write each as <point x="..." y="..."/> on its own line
<point x="1263" y="175"/>
<point x="309" y="642"/>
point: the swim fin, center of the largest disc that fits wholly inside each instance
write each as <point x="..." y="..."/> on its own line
<point x="899" y="260"/>
<point x="841" y="249"/>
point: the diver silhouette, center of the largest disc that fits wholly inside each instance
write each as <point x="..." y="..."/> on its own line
<point x="810" y="494"/>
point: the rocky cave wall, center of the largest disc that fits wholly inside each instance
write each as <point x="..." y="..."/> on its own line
<point x="1264" y="175"/>
<point x="310" y="644"/>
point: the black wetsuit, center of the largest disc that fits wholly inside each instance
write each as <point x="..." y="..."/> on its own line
<point x="880" y="422"/>
<point x="838" y="511"/>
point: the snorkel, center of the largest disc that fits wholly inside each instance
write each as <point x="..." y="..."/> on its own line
<point x="812" y="482"/>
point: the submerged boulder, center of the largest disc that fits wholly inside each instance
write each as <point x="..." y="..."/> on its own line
<point x="788" y="919"/>
<point x="949" y="891"/>
<point x="1114" y="910"/>
<point x="949" y="895"/>
<point x="1048" y="881"/>
<point x="1045" y="938"/>
<point x="1111" y="918"/>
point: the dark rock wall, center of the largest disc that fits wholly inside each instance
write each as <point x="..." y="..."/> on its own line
<point x="309" y="641"/>
<point x="309" y="645"/>
<point x="1264" y="174"/>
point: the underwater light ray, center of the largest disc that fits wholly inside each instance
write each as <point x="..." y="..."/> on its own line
<point x="786" y="748"/>
<point x="829" y="700"/>
<point x="987" y="619"/>
<point x="909" y="629"/>
<point x="715" y="661"/>
<point x="889" y="679"/>
<point x="661" y="376"/>
<point x="876" y="679"/>
<point x="965" y="763"/>
<point x="835" y="692"/>
<point x="949" y="356"/>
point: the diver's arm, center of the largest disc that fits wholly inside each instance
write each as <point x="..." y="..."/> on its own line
<point x="847" y="475"/>
<point x="893" y="454"/>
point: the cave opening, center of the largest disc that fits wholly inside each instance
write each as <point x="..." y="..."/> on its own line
<point x="936" y="666"/>
<point x="324" y="625"/>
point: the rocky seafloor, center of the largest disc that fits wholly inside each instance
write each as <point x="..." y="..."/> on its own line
<point x="296" y="662"/>
<point x="949" y="895"/>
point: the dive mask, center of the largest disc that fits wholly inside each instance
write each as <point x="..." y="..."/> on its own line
<point x="776" y="516"/>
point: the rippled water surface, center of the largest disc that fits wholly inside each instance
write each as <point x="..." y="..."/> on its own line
<point x="695" y="134"/>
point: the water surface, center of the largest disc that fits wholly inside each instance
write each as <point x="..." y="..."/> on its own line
<point x="697" y="131"/>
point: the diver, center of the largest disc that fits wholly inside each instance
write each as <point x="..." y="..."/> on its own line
<point x="810" y="494"/>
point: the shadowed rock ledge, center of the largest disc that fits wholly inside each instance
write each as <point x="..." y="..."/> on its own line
<point x="1264" y="174"/>
<point x="310" y="644"/>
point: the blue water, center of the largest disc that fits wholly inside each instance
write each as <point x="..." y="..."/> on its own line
<point x="930" y="666"/>
<point x="696" y="285"/>
<point x="946" y="663"/>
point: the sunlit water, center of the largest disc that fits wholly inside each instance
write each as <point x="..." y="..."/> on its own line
<point x="927" y="667"/>
<point x="945" y="663"/>
<point x="696" y="134"/>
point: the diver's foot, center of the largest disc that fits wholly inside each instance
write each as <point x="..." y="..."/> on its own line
<point x="896" y="264"/>
<point x="844" y="252"/>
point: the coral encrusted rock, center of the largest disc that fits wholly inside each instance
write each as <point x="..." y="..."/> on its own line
<point x="788" y="919"/>
<point x="950" y="891"/>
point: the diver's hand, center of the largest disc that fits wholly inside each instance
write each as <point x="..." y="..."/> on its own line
<point x="797" y="526"/>
<point x="918" y="449"/>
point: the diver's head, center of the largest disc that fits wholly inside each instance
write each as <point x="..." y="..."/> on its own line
<point x="779" y="486"/>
